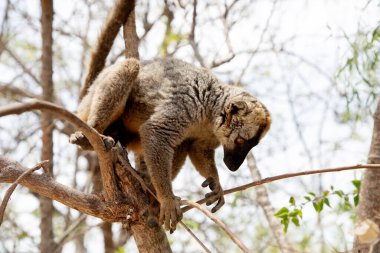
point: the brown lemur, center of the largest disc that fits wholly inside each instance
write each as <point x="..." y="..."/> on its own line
<point x="169" y="109"/>
<point x="165" y="110"/>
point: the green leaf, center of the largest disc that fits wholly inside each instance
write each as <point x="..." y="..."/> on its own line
<point x="315" y="206"/>
<point x="292" y="201"/>
<point x="285" y="222"/>
<point x="312" y="194"/>
<point x="356" y="200"/>
<point x="325" y="193"/>
<point x="327" y="202"/>
<point x="307" y="198"/>
<point x="340" y="193"/>
<point x="357" y="184"/>
<point x="296" y="221"/>
<point x="375" y="35"/>
<point x="318" y="206"/>
<point x="282" y="213"/>
<point x="236" y="197"/>
<point x="299" y="212"/>
<point x="120" y="250"/>
<point x="22" y="235"/>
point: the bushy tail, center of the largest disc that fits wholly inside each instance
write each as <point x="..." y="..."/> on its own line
<point x="119" y="16"/>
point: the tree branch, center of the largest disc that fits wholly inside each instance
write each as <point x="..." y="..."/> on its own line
<point x="217" y="222"/>
<point x="289" y="175"/>
<point x="46" y="186"/>
<point x="14" y="185"/>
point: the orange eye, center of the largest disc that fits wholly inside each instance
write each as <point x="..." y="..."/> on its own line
<point x="239" y="141"/>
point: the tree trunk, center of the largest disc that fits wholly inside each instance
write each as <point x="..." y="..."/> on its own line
<point x="150" y="240"/>
<point x="47" y="243"/>
<point x="108" y="237"/>
<point x="369" y="204"/>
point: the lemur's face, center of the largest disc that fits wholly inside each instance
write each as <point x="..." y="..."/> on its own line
<point x="244" y="123"/>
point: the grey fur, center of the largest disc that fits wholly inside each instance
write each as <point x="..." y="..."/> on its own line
<point x="171" y="110"/>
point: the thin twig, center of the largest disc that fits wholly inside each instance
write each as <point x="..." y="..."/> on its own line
<point x="14" y="185"/>
<point x="261" y="39"/>
<point x="192" y="42"/>
<point x="62" y="240"/>
<point x="218" y="222"/>
<point x="195" y="237"/>
<point x="17" y="59"/>
<point x="289" y="175"/>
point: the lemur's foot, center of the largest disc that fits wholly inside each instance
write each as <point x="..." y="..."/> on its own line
<point x="79" y="139"/>
<point x="108" y="142"/>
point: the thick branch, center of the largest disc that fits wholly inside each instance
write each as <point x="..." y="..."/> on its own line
<point x="105" y="158"/>
<point x="11" y="189"/>
<point x="46" y="186"/>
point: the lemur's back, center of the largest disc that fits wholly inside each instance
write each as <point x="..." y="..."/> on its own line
<point x="165" y="80"/>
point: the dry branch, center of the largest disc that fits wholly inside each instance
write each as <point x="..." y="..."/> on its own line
<point x="46" y="186"/>
<point x="290" y="175"/>
<point x="217" y="222"/>
<point x="115" y="202"/>
<point x="195" y="237"/>
<point x="14" y="185"/>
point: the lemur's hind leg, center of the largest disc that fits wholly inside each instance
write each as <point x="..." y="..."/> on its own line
<point x="106" y="99"/>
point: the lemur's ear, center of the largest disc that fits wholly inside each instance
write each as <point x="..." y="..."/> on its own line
<point x="234" y="108"/>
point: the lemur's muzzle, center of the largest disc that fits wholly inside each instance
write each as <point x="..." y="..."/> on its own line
<point x="233" y="158"/>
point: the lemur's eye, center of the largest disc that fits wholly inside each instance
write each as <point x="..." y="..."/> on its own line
<point x="239" y="140"/>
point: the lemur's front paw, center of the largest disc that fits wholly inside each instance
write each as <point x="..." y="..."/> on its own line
<point x="108" y="142"/>
<point x="79" y="139"/>
<point x="216" y="193"/>
<point x="170" y="212"/>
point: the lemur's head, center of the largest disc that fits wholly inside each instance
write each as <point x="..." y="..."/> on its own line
<point x="242" y="124"/>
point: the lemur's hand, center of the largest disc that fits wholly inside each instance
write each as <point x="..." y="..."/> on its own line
<point x="170" y="212"/>
<point x="216" y="193"/>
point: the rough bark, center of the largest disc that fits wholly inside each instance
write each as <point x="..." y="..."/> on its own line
<point x="263" y="200"/>
<point x="369" y="204"/>
<point x="47" y="243"/>
<point x="150" y="240"/>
